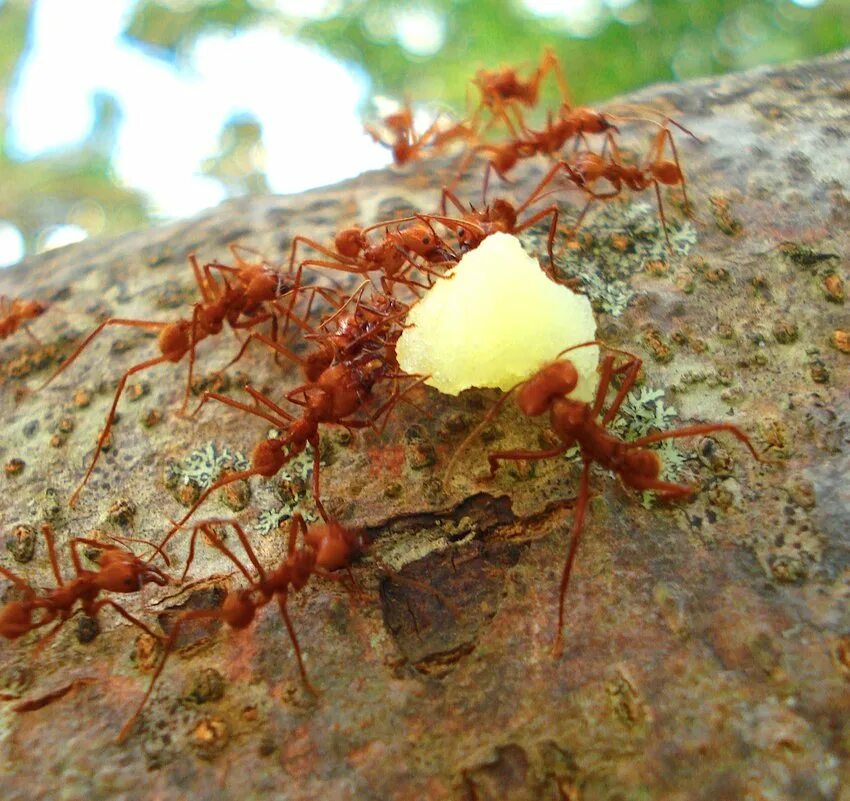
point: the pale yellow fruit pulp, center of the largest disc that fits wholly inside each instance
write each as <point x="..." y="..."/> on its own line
<point x="495" y="322"/>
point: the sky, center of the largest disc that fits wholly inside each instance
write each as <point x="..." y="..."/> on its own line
<point x="306" y="102"/>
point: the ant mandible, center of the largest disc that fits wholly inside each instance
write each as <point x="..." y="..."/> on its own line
<point x="577" y="423"/>
<point x="326" y="547"/>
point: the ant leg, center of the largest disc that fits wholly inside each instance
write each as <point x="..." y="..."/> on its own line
<point x="575" y="535"/>
<point x="661" y="214"/>
<point x="317" y="462"/>
<point x="448" y="194"/>
<point x="631" y="368"/>
<point x="244" y="407"/>
<point x="110" y="419"/>
<point x="284" y="613"/>
<point x="553" y="229"/>
<point x="702" y="428"/>
<point x="185" y="617"/>
<point x="92" y="612"/>
<point x="193" y="343"/>
<point x="33" y="337"/>
<point x="672" y="141"/>
<point x="232" y="478"/>
<point x="666" y="490"/>
<point x="206" y="283"/>
<point x="17" y="581"/>
<point x="517" y="455"/>
<point x="243" y="538"/>
<point x="313" y="244"/>
<point x="543" y="183"/>
<point x="82" y="346"/>
<point x="47" y="531"/>
<point x="260" y="398"/>
<point x="244" y="346"/>
<point x="551" y="62"/>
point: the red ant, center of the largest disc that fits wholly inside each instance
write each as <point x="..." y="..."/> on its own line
<point x="577" y="423"/>
<point x="119" y="571"/>
<point x="587" y="168"/>
<point x="571" y="123"/>
<point x="473" y="226"/>
<point x="394" y="256"/>
<point x="366" y="330"/>
<point x="503" y="88"/>
<point x="326" y="547"/>
<point x="239" y="305"/>
<point x="338" y="393"/>
<point x="14" y="313"/>
<point x="406" y="145"/>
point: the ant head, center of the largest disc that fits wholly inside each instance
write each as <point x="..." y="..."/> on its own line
<point x="334" y="544"/>
<point x="553" y="381"/>
<point x="175" y="339"/>
<point x="423" y="241"/>
<point x="263" y="285"/>
<point x="350" y="242"/>
<point x="667" y="172"/>
<point x="504" y="211"/>
<point x="268" y="457"/>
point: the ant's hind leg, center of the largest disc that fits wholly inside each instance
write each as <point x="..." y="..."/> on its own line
<point x="575" y="534"/>
<point x="284" y="613"/>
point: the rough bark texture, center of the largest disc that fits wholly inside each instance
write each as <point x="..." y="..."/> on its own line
<point x="707" y="643"/>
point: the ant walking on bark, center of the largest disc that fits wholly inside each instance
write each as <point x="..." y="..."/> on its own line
<point x="581" y="424"/>
<point x="325" y="547"/>
<point x="119" y="571"/>
<point x="340" y="392"/>
<point x="587" y="168"/>
<point x="241" y="305"/>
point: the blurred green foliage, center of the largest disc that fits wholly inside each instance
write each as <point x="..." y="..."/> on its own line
<point x="613" y="46"/>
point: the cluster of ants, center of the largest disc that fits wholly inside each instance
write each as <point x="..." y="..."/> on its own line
<point x="351" y="376"/>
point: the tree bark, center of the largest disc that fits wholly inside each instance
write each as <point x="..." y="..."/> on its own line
<point x="707" y="644"/>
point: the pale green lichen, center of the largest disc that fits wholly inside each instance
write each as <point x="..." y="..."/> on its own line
<point x="203" y="466"/>
<point x="296" y="474"/>
<point x="603" y="269"/>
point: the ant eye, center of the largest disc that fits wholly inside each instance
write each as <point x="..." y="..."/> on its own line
<point x="461" y="233"/>
<point x="426" y="240"/>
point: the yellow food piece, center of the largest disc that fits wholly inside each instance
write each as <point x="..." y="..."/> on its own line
<point x="495" y="322"/>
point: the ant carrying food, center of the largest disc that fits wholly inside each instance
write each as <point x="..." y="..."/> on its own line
<point x="324" y="547"/>
<point x="577" y="423"/>
<point x="340" y="392"/>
